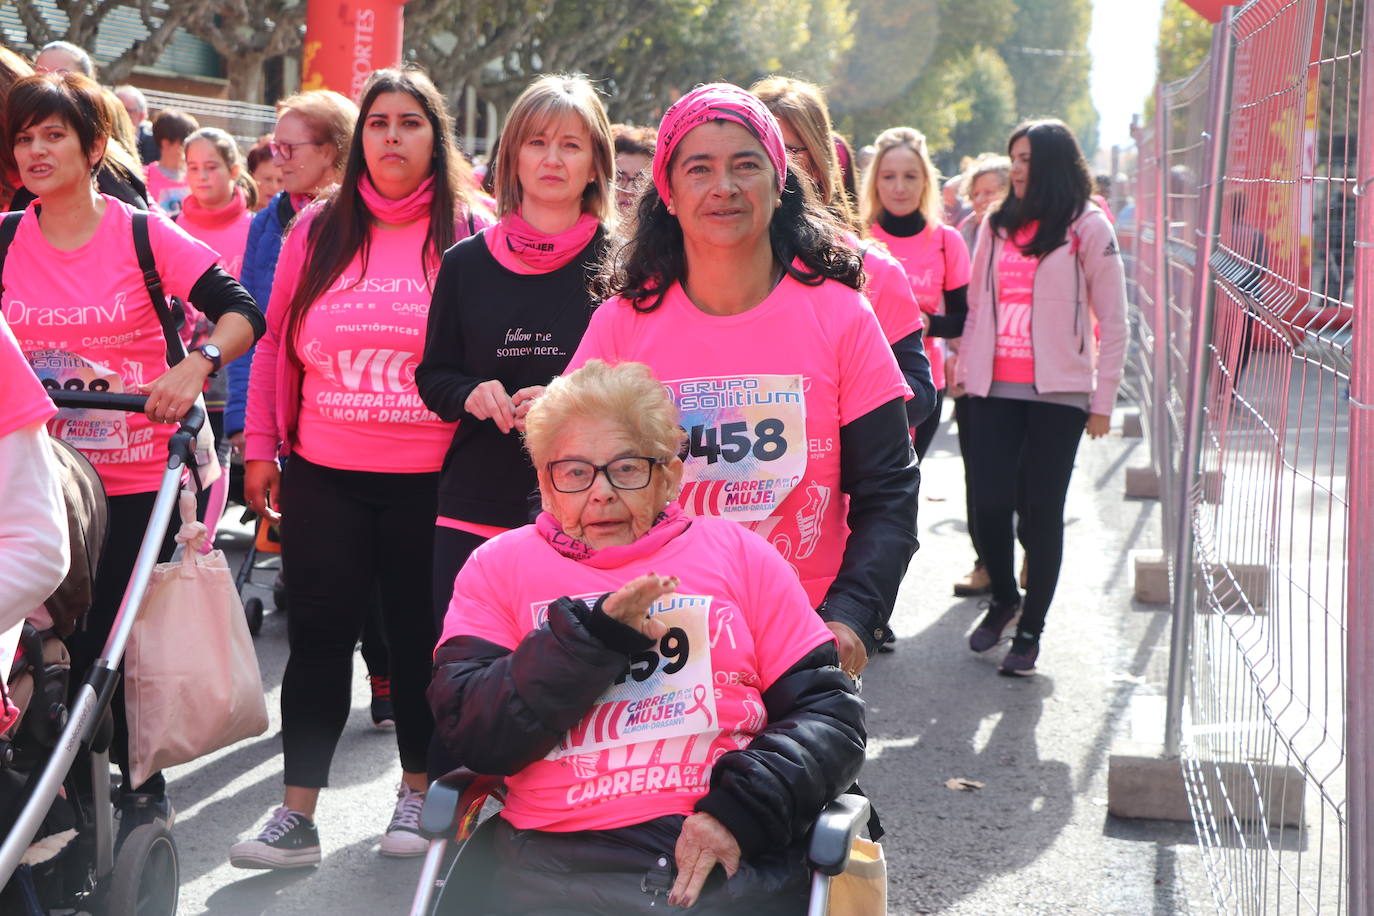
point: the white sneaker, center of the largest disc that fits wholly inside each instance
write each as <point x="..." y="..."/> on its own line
<point x="402" y="838"/>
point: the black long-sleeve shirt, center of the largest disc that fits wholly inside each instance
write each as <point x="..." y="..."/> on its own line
<point x="487" y="322"/>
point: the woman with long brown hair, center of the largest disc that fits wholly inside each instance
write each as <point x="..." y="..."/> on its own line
<point x="333" y="387"/>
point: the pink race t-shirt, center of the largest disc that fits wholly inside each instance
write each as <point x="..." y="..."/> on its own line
<point x="738" y="621"/>
<point x="360" y="344"/>
<point x="84" y="321"/>
<point x="224" y="229"/>
<point x="25" y="400"/>
<point x="1014" y="358"/>
<point x="887" y="290"/>
<point x="763" y="395"/>
<point x="167" y="191"/>
<point x="936" y="259"/>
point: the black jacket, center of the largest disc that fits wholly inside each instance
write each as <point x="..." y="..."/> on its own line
<point x="498" y="711"/>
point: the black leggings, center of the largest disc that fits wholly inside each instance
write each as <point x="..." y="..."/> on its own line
<point x="129" y="516"/>
<point x="344" y="535"/>
<point x="1030" y="446"/>
<point x="964" y="424"/>
<point x="925" y="433"/>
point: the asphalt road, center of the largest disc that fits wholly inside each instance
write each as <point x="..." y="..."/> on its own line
<point x="1035" y="839"/>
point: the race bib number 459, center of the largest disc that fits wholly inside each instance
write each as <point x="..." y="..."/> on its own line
<point x="746" y="443"/>
<point x="667" y="692"/>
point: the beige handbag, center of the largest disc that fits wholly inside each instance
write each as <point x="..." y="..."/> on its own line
<point x="192" y="684"/>
<point x="861" y="889"/>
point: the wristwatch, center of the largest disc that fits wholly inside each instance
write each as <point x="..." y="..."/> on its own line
<point x="210" y="352"/>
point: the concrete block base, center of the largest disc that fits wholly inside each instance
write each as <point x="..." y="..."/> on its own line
<point x="1213" y="487"/>
<point x="1142" y="483"/>
<point x="1131" y="426"/>
<point x="1246" y="588"/>
<point x="1151" y="577"/>
<point x="1142" y="783"/>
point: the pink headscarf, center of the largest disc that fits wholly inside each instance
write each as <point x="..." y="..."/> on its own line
<point x="717" y="102"/>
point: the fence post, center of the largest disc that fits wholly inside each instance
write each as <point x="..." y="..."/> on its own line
<point x="1359" y="730"/>
<point x="1208" y="225"/>
<point x="1159" y="269"/>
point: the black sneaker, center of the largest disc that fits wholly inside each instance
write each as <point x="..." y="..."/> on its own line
<point x="139" y="808"/>
<point x="383" y="714"/>
<point x="289" y="840"/>
<point x="1020" y="661"/>
<point x="995" y="621"/>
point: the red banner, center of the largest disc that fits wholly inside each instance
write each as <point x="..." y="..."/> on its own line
<point x="345" y="40"/>
<point x="1208" y="9"/>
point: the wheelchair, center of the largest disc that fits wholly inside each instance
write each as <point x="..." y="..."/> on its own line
<point x="455" y="802"/>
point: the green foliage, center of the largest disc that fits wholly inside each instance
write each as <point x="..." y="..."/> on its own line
<point x="1049" y="63"/>
<point x="1185" y="38"/>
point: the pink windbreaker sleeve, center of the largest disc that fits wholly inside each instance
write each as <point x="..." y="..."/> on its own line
<point x="264" y="421"/>
<point x="1105" y="278"/>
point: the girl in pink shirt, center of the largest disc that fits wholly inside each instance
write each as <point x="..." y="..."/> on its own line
<point x="1046" y="265"/>
<point x="218" y="212"/>
<point x="737" y="292"/>
<point x="75" y="297"/>
<point x="902" y="209"/>
<point x="333" y="385"/>
<point x="804" y="119"/>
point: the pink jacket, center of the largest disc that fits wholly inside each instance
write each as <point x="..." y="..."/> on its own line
<point x="1085" y="272"/>
<point x="274" y="383"/>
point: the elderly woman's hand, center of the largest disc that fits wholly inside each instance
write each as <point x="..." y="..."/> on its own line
<point x="630" y="605"/>
<point x="703" y="843"/>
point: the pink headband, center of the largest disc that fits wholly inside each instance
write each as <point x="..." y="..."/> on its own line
<point x="717" y="102"/>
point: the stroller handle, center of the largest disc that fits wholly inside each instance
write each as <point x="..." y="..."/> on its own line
<point x="183" y="440"/>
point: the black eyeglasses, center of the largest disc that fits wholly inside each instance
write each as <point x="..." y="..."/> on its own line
<point x="284" y="151"/>
<point x="573" y="475"/>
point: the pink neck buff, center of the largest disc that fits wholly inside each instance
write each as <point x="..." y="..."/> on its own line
<point x="717" y="102"/>
<point x="408" y="209"/>
<point x="523" y="249"/>
<point x="194" y="211"/>
<point x="671" y="522"/>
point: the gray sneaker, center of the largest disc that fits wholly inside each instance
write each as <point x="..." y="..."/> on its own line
<point x="289" y="840"/>
<point x="1020" y="660"/>
<point x="993" y="624"/>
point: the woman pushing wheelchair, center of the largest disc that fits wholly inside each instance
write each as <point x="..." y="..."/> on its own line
<point x="657" y="689"/>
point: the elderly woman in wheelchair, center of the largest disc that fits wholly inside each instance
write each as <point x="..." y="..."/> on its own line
<point x="665" y="706"/>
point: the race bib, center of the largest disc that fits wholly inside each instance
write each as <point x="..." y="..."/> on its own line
<point x="668" y="691"/>
<point x="746" y="443"/>
<point x="88" y="430"/>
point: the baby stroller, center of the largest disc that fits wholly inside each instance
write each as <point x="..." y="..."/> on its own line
<point x="75" y="864"/>
<point x="455" y="802"/>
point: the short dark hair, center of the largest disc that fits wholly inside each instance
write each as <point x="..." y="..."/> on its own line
<point x="1058" y="190"/>
<point x="636" y="141"/>
<point x="260" y="153"/>
<point x="74" y="97"/>
<point x="174" y="126"/>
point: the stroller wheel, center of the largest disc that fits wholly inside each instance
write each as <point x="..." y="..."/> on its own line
<point x="146" y="880"/>
<point x="252" y="609"/>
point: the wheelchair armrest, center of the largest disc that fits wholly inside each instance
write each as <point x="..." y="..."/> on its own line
<point x="834" y="833"/>
<point x="453" y="802"/>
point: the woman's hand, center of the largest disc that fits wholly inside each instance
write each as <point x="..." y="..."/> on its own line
<point x="236" y="442"/>
<point x="173" y="392"/>
<point x="1098" y="425"/>
<point x="703" y="844"/>
<point x="523" y="400"/>
<point x="630" y="605"/>
<point x="262" y="488"/>
<point x="853" y="655"/>
<point x="952" y="386"/>
<point x="489" y="401"/>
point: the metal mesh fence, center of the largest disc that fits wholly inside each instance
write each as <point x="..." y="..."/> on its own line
<point x="1264" y="330"/>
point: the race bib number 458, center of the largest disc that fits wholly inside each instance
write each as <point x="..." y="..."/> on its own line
<point x="746" y="443"/>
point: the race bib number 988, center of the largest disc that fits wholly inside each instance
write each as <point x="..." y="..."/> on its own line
<point x="746" y="443"/>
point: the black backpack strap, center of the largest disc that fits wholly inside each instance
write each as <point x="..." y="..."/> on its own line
<point x="176" y="350"/>
<point x="8" y="227"/>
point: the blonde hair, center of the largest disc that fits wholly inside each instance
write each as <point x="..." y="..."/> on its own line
<point x="627" y="394"/>
<point x="328" y="115"/>
<point x="801" y="105"/>
<point x="230" y="154"/>
<point x="985" y="164"/>
<point x="930" y="207"/>
<point x="543" y="102"/>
